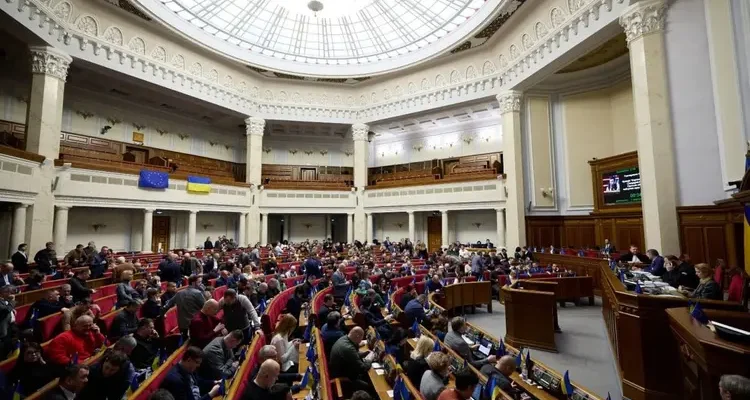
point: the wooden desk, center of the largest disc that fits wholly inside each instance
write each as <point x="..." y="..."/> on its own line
<point x="704" y="356"/>
<point x="530" y="318"/>
<point x="303" y="364"/>
<point x="569" y="288"/>
<point x="465" y="294"/>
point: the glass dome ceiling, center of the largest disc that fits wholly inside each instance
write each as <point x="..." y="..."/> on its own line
<point x="344" y="38"/>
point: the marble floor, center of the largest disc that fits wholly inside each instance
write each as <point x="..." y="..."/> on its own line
<point x="583" y="346"/>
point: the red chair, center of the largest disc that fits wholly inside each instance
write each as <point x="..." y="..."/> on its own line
<point x="21" y="313"/>
<point x="719" y="276"/>
<point x="737" y="288"/>
<point x="219" y="293"/>
<point x="107" y="304"/>
<point x="170" y="322"/>
<point x="108" y="318"/>
<point x="50" y="326"/>
<point x="54" y="283"/>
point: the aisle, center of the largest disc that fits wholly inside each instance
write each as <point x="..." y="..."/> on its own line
<point x="583" y="346"/>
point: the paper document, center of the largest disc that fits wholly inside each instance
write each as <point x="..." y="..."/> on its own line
<point x="390" y="393"/>
<point x="484" y="350"/>
<point x="467" y="340"/>
<point x="376" y="366"/>
<point x="380" y="372"/>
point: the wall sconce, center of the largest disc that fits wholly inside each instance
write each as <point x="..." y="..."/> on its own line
<point x="307" y="225"/>
<point x="308" y="152"/>
<point x="418" y="147"/>
<point x="267" y="150"/>
<point x="293" y="151"/>
<point x="399" y="224"/>
<point x="323" y="152"/>
<point x="468" y="139"/>
<point x="113" y="121"/>
<point x="162" y="132"/>
<point x="546" y="192"/>
<point x="477" y="224"/>
<point x="206" y="226"/>
<point x="139" y="126"/>
<point x="98" y="226"/>
<point x="226" y="146"/>
<point x="212" y="143"/>
<point x="348" y="153"/>
<point x="84" y="114"/>
<point x="183" y="136"/>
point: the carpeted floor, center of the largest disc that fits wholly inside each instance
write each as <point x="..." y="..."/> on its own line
<point x="583" y="346"/>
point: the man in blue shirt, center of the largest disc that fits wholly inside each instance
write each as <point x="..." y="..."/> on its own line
<point x="657" y="263"/>
<point x="312" y="267"/>
<point x="415" y="310"/>
<point x="434" y="284"/>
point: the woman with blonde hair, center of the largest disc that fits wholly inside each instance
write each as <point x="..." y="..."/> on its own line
<point x="435" y="379"/>
<point x="707" y="288"/>
<point x="417" y="363"/>
<point x="288" y="350"/>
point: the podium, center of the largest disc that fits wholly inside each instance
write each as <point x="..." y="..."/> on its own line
<point x="530" y="317"/>
<point x="465" y="294"/>
<point x="704" y="356"/>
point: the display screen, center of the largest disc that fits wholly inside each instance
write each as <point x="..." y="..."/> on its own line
<point x="622" y="186"/>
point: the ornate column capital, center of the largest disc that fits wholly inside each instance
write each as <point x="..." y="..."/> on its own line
<point x="360" y="131"/>
<point x="510" y="101"/>
<point x="254" y="126"/>
<point x="193" y="212"/>
<point x="643" y="18"/>
<point x="62" y="208"/>
<point x="149" y="210"/>
<point x="410" y="212"/>
<point x="49" y="61"/>
<point x="22" y="205"/>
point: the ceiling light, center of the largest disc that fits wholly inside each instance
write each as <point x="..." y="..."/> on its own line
<point x="315" y="6"/>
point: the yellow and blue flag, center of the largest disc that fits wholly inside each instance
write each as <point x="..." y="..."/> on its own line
<point x="18" y="392"/>
<point x="696" y="311"/>
<point x="500" y="349"/>
<point x="199" y="184"/>
<point x="133" y="386"/>
<point x="566" y="386"/>
<point x="223" y="387"/>
<point x="16" y="350"/>
<point x="310" y="355"/>
<point x="436" y="347"/>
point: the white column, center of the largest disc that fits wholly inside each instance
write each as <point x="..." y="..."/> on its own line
<point x="412" y="226"/>
<point x="500" y="242"/>
<point x="49" y="69"/>
<point x="264" y="229"/>
<point x="644" y="28"/>
<point x="249" y="238"/>
<point x="510" y="109"/>
<point x="242" y="230"/>
<point x="148" y="230"/>
<point x="361" y="153"/>
<point x="18" y="233"/>
<point x="444" y="228"/>
<point x="254" y="149"/>
<point x="192" y="221"/>
<point x="370" y="227"/>
<point x="349" y="228"/>
<point x="61" y="230"/>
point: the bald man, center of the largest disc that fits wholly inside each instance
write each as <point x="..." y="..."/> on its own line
<point x="502" y="370"/>
<point x="260" y="387"/>
<point x="269" y="352"/>
<point x="345" y="361"/>
<point x="205" y="326"/>
<point x="84" y="339"/>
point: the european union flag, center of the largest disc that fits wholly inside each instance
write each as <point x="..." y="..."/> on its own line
<point x="437" y="346"/>
<point x="133" y="386"/>
<point x="153" y="179"/>
<point x="223" y="387"/>
<point x="638" y="288"/>
<point x="566" y="386"/>
<point x="306" y="381"/>
<point x="500" y="349"/>
<point x="310" y="355"/>
<point x="243" y="354"/>
<point x="519" y="357"/>
<point x="262" y="306"/>
<point x="308" y="330"/>
<point x="696" y="311"/>
<point x="415" y="328"/>
<point x="400" y="391"/>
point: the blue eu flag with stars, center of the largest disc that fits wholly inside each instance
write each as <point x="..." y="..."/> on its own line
<point x="153" y="179"/>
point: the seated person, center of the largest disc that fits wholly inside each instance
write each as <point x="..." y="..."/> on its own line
<point x="734" y="387"/>
<point x="435" y="379"/>
<point x="260" y="388"/>
<point x="126" y="321"/>
<point x="501" y="370"/>
<point x="218" y="357"/>
<point x="169" y="293"/>
<point x="81" y="342"/>
<point x="146" y="347"/>
<point x="466" y="381"/>
<point x="72" y="381"/>
<point x="223" y="280"/>
<point x="416" y="366"/>
<point x="414" y="311"/>
<point x="513" y="281"/>
<point x="634" y="257"/>
<point x="125" y="292"/>
<point x="205" y="326"/>
<point x="657" y="263"/>
<point x="48" y="305"/>
<point x="273" y="288"/>
<point x="434" y="284"/>
<point x="294" y="304"/>
<point x="287" y="348"/>
<point x="152" y="307"/>
<point x="395" y="344"/>
<point x="268" y="352"/>
<point x="328" y="306"/>
<point x="331" y="331"/>
<point x="346" y="362"/>
<point x="410" y="293"/>
<point x="108" y="379"/>
<point x="375" y="320"/>
<point x="181" y="380"/>
<point x="454" y="340"/>
<point x="72" y="314"/>
<point x="707" y="287"/>
<point x="30" y="371"/>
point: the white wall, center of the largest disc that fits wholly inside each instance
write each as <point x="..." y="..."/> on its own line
<point x="221" y="224"/>
<point x="399" y="150"/>
<point x="12" y="106"/>
<point x="6" y="224"/>
<point x="387" y="225"/>
<point x="696" y="143"/>
<point x="339" y="227"/>
<point x="463" y="229"/>
<point x="276" y="151"/>
<point x="300" y="232"/>
<point x="115" y="235"/>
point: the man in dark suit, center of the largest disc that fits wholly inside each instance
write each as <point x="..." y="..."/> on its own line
<point x="502" y="370"/>
<point x="46" y="259"/>
<point x="78" y="285"/>
<point x="73" y="380"/>
<point x="608" y="247"/>
<point x="327" y="307"/>
<point x="181" y="380"/>
<point x="634" y="257"/>
<point x="20" y="259"/>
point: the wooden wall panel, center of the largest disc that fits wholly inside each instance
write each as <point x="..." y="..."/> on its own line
<point x="716" y="244"/>
<point x="584" y="231"/>
<point x="692" y="242"/>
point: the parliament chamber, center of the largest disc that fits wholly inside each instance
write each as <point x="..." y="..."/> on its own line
<point x="374" y="199"/>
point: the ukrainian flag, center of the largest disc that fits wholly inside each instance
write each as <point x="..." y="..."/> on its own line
<point x="566" y="386"/>
<point x="198" y="184"/>
<point x="16" y="351"/>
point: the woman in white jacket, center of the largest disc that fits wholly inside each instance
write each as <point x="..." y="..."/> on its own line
<point x="288" y="350"/>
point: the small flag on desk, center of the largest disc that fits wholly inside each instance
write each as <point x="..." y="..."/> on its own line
<point x="696" y="311"/>
<point x="436" y="347"/>
<point x="519" y="357"/>
<point x="18" y="392"/>
<point x="16" y="350"/>
<point x="157" y="360"/>
<point x="566" y="386"/>
<point x="133" y="386"/>
<point x="500" y="349"/>
<point x="262" y="306"/>
<point x="153" y="179"/>
<point x="34" y="317"/>
<point x="198" y="184"/>
<point x="415" y="328"/>
<point x="223" y="387"/>
<point x="608" y="396"/>
<point x="347" y="301"/>
<point x="400" y="391"/>
<point x="310" y="355"/>
<point x="307" y="382"/>
<point x="74" y="359"/>
<point x="638" y="288"/>
<point x="243" y="354"/>
<point x="308" y="330"/>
